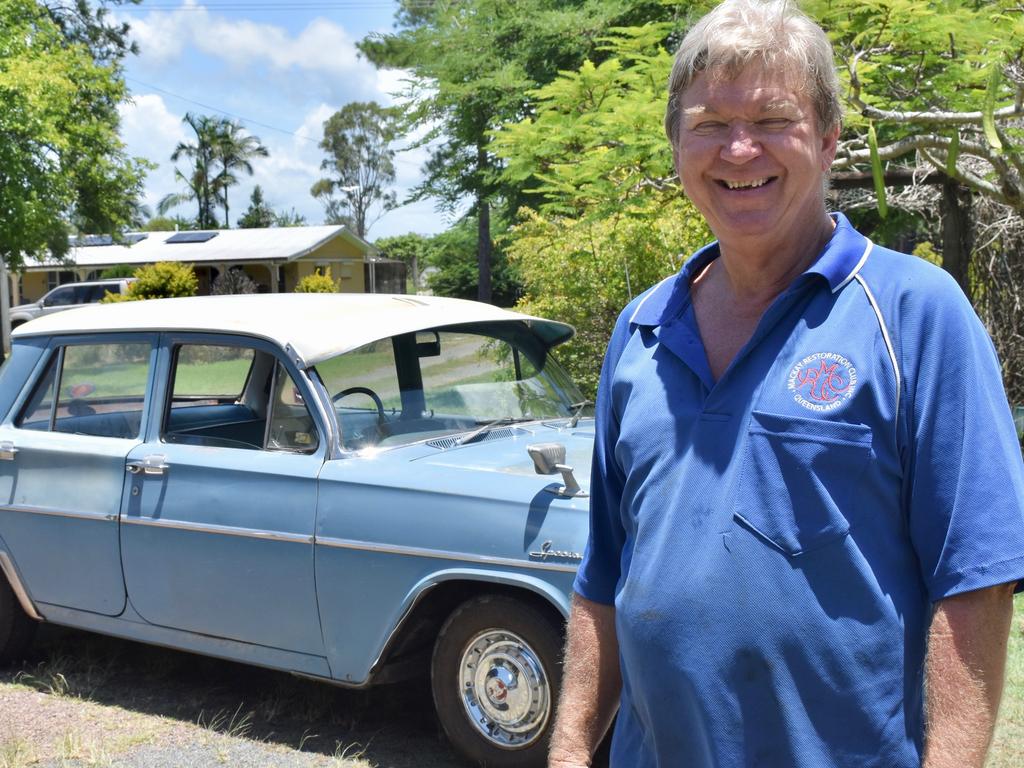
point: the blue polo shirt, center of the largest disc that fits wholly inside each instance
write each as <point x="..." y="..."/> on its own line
<point x="774" y="542"/>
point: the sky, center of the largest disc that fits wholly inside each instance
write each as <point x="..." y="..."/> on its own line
<point x="281" y="68"/>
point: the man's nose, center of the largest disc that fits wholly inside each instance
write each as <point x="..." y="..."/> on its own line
<point x="741" y="143"/>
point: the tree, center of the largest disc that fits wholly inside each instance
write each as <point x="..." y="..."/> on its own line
<point x="259" y="214"/>
<point x="62" y="165"/>
<point x="360" y="160"/>
<point x="200" y="182"/>
<point x="234" y="151"/>
<point x="410" y="249"/>
<point x="452" y="254"/>
<point x="473" y="66"/>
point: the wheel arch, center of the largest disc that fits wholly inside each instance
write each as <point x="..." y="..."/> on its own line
<point x="434" y="598"/>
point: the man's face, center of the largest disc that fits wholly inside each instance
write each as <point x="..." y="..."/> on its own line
<point x="751" y="157"/>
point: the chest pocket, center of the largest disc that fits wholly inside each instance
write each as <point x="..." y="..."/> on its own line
<point x="798" y="476"/>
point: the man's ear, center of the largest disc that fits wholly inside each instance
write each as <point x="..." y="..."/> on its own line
<point x="829" y="145"/>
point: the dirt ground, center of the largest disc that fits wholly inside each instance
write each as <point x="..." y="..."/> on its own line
<point x="87" y="700"/>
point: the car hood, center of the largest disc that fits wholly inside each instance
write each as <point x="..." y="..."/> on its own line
<point x="503" y="451"/>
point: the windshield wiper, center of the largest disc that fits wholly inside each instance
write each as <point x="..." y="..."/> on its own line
<point x="482" y="430"/>
<point x="579" y="412"/>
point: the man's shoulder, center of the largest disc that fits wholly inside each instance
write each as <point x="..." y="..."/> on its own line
<point x="900" y="280"/>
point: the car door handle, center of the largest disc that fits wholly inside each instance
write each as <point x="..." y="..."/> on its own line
<point x="7" y="450"/>
<point x="155" y="464"/>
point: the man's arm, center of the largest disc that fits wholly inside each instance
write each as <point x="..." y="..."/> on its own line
<point x="964" y="675"/>
<point x="590" y="684"/>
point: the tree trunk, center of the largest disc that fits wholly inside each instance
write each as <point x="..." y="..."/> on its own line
<point x="957" y="236"/>
<point x="483" y="252"/>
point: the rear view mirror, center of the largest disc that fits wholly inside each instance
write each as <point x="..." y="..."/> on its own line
<point x="428" y="344"/>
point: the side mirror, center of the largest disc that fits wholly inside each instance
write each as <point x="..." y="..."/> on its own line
<point x="549" y="458"/>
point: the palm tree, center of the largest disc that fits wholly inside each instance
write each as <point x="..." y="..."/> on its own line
<point x="233" y="151"/>
<point x="201" y="185"/>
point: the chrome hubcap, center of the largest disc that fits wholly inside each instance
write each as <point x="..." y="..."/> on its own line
<point x="504" y="689"/>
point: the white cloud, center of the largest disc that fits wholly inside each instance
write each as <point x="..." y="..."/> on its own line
<point x="151" y="130"/>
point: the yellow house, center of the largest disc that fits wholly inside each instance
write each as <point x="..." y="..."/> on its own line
<point x="276" y="259"/>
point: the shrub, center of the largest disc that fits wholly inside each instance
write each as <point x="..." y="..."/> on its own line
<point x="163" y="280"/>
<point x="232" y="281"/>
<point x="317" y="283"/>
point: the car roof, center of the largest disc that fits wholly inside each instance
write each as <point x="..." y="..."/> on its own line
<point x="310" y="326"/>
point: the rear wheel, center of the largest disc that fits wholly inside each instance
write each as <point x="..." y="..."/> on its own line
<point x="16" y="628"/>
<point x="496" y="675"/>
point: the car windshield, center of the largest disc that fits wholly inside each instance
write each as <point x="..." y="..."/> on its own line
<point x="460" y="380"/>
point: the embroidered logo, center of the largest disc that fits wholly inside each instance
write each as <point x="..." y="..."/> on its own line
<point x="823" y="381"/>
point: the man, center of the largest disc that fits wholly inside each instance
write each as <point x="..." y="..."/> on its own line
<point x="805" y="466"/>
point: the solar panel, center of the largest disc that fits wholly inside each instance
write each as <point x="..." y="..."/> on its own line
<point x="89" y="241"/>
<point x="135" y="237"/>
<point x="191" y="237"/>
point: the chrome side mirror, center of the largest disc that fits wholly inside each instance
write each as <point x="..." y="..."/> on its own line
<point x="549" y="458"/>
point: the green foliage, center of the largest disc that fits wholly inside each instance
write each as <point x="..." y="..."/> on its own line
<point x="939" y="82"/>
<point x="584" y="271"/>
<point x="317" y="283"/>
<point x="163" y="280"/>
<point x="927" y="252"/>
<point x="411" y="249"/>
<point x="168" y="224"/>
<point x="453" y="255"/>
<point x="259" y="215"/>
<point x="62" y="164"/>
<point x="289" y="218"/>
<point x="472" y="66"/>
<point x="221" y="148"/>
<point x="121" y="270"/>
<point x="361" y="164"/>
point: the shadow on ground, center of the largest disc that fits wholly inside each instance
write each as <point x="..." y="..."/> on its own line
<point x="389" y="726"/>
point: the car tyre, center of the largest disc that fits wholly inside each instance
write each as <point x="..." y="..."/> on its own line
<point x="496" y="674"/>
<point x="16" y="628"/>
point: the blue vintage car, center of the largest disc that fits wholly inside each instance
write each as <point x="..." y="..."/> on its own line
<point x="348" y="488"/>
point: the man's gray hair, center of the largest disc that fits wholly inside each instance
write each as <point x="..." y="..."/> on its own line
<point x="773" y="33"/>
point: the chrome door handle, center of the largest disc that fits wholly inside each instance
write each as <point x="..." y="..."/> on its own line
<point x="154" y="464"/>
<point x="7" y="450"/>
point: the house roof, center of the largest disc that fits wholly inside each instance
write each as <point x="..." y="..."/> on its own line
<point x="225" y="245"/>
<point x="310" y="326"/>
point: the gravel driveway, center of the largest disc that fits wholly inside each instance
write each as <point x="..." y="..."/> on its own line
<point x="87" y="700"/>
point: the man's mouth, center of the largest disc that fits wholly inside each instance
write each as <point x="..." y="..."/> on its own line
<point x="749" y="184"/>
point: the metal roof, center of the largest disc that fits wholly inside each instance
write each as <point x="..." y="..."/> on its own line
<point x="315" y="326"/>
<point x="228" y="245"/>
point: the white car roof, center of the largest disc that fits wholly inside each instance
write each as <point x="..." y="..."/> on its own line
<point x="311" y="326"/>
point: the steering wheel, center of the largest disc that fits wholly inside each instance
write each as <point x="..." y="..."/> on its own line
<point x="363" y="391"/>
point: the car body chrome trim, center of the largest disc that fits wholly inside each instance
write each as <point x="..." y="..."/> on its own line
<point x="54" y="512"/>
<point x="223" y="530"/>
<point x="441" y="554"/>
<point x="18" y="588"/>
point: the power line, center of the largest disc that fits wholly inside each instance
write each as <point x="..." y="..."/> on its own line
<point x="220" y="111"/>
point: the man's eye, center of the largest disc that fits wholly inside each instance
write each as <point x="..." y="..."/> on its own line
<point x="774" y="123"/>
<point x="705" y="127"/>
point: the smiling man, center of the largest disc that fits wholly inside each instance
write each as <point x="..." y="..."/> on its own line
<point x="807" y="500"/>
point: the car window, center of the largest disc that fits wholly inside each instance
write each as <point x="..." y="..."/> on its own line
<point x="436" y="383"/>
<point x="232" y="396"/>
<point x="100" y="391"/>
<point x="61" y="297"/>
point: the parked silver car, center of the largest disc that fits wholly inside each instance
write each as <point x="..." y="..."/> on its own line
<point x="68" y="296"/>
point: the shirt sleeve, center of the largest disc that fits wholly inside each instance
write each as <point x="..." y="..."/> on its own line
<point x="965" y="508"/>
<point x="599" y="572"/>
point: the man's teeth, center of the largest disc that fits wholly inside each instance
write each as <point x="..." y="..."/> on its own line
<point x="746" y="184"/>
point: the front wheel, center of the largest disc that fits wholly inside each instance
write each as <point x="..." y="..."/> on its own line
<point x="496" y="674"/>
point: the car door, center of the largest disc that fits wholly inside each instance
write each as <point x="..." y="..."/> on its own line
<point x="62" y="468"/>
<point x="217" y="529"/>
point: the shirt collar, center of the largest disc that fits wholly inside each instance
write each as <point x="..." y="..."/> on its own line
<point x="839" y="262"/>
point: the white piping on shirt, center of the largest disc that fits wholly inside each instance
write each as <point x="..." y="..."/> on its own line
<point x="856" y="268"/>
<point x="887" y="339"/>
<point x="650" y="293"/>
